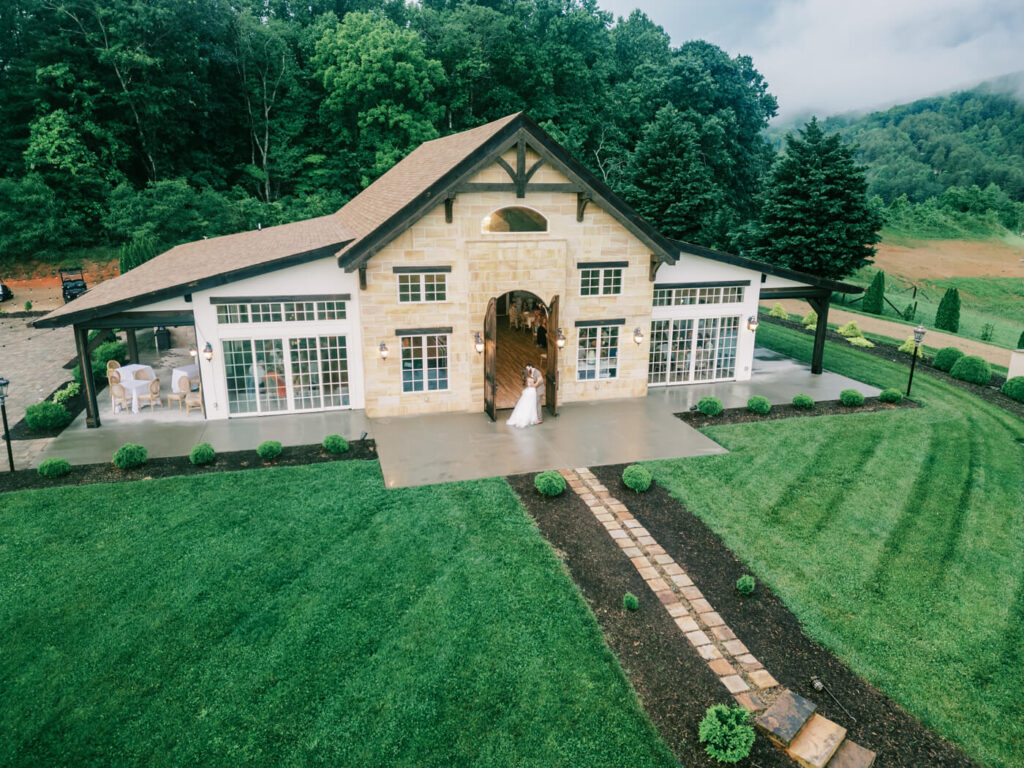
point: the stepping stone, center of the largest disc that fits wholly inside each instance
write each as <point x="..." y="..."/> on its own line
<point x="686" y="624"/>
<point x="735" y="647"/>
<point x="712" y="619"/>
<point x="734" y="684"/>
<point x="723" y="633"/>
<point x="783" y="720"/>
<point x="819" y="739"/>
<point x="721" y="667"/>
<point x="700" y="605"/>
<point x="677" y="610"/>
<point x="762" y="679"/>
<point x="698" y="638"/>
<point x="852" y="755"/>
<point x="750" y="701"/>
<point x="709" y="652"/>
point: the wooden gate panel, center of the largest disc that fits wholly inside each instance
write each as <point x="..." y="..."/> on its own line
<point x="551" y="374"/>
<point x="490" y="357"/>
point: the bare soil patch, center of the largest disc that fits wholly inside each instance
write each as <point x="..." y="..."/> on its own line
<point x="938" y="259"/>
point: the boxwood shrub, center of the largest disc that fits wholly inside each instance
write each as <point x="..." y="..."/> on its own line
<point x="910" y="347"/>
<point x="630" y="601"/>
<point x="54" y="468"/>
<point x="549" y="483"/>
<point x="779" y="311"/>
<point x="45" y="416"/>
<point x="890" y="396"/>
<point x="710" y="406"/>
<point x="130" y="455"/>
<point x="269" y="449"/>
<point x="1014" y="388"/>
<point x="860" y="341"/>
<point x="104" y="353"/>
<point x="851" y="397"/>
<point x="726" y="733"/>
<point x="946" y="357"/>
<point x="759" y="404"/>
<point x="972" y="369"/>
<point x="637" y="478"/>
<point x="850" y="330"/>
<point x="803" y="401"/>
<point x="745" y="584"/>
<point x="202" y="454"/>
<point x="335" y="444"/>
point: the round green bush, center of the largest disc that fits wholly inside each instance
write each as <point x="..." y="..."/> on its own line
<point x="946" y="357"/>
<point x="130" y="455"/>
<point x="726" y="733"/>
<point x="269" y="449"/>
<point x="202" y="454"/>
<point x="745" y="584"/>
<point x="54" y="468"/>
<point x="637" y="478"/>
<point x="890" y="396"/>
<point x="851" y="397"/>
<point x="630" y="601"/>
<point x="759" y="404"/>
<point x="104" y="353"/>
<point x="549" y="483"/>
<point x="1014" y="388"/>
<point x="710" y="406"/>
<point x="45" y="416"/>
<point x="972" y="369"/>
<point x="803" y="401"/>
<point x="335" y="444"/>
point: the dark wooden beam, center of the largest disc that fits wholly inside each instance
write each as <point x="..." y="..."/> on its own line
<point x="498" y="186"/>
<point x="533" y="169"/>
<point x="362" y="277"/>
<point x="795" y="292"/>
<point x="508" y="168"/>
<point x="655" y="263"/>
<point x="92" y="416"/>
<point x="133" y="346"/>
<point x="582" y="198"/>
<point x="449" y="203"/>
<point x="126" y="320"/>
<point x="820" y="305"/>
<point x="521" y="167"/>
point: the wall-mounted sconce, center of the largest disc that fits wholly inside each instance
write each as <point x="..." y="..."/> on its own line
<point x="752" y="323"/>
<point x="383" y="351"/>
<point x="208" y="352"/>
<point x="478" y="341"/>
<point x="560" y="339"/>
<point x="194" y="352"/>
<point x="638" y="336"/>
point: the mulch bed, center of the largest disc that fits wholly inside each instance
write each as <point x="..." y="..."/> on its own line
<point x="75" y="405"/>
<point x="761" y="621"/>
<point x="989" y="393"/>
<point x="229" y="461"/>
<point x="785" y="411"/>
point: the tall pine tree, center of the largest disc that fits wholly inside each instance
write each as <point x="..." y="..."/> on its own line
<point x="874" y="296"/>
<point x="947" y="316"/>
<point x="815" y="215"/>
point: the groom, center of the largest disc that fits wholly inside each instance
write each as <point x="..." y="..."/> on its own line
<point x="536" y="379"/>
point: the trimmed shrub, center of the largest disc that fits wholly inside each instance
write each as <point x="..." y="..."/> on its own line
<point x="1014" y="388"/>
<point x="269" y="449"/>
<point x="890" y="396"/>
<point x="726" y="733"/>
<point x="850" y="329"/>
<point x="910" y="312"/>
<point x="946" y="358"/>
<point x="710" y="406"/>
<point x="987" y="329"/>
<point x="28" y="306"/>
<point x="803" y="401"/>
<point x="860" y="341"/>
<point x="745" y="584"/>
<point x="130" y="455"/>
<point x="54" y="468"/>
<point x="810" y="320"/>
<point x="874" y="296"/>
<point x="549" y="483"/>
<point x="637" y="478"/>
<point x="61" y="396"/>
<point x="972" y="369"/>
<point x="45" y="416"/>
<point x="779" y="311"/>
<point x="1020" y="341"/>
<point x="851" y="397"/>
<point x="104" y="353"/>
<point x="908" y="346"/>
<point x="630" y="601"/>
<point x="947" y="316"/>
<point x="759" y="404"/>
<point x="335" y="444"/>
<point x="202" y="454"/>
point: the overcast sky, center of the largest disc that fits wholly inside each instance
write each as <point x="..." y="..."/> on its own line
<point x="831" y="56"/>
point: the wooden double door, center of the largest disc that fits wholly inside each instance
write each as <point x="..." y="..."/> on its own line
<point x="491" y="371"/>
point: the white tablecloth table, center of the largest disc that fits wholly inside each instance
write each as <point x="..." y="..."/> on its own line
<point x="192" y="371"/>
<point x="133" y="386"/>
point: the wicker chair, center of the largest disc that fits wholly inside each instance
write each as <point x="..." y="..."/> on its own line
<point x="195" y="399"/>
<point x="113" y="377"/>
<point x="118" y="396"/>
<point x="152" y="397"/>
<point x="184" y="386"/>
<point x="111" y="365"/>
<point x="143" y="373"/>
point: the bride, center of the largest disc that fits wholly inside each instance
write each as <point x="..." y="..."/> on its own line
<point x="525" y="412"/>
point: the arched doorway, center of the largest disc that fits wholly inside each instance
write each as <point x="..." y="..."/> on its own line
<point x="519" y="328"/>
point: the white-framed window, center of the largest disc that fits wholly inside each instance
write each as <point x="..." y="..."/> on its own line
<point x="229" y="314"/>
<point x="425" y="363"/>
<point x="514" y="219"/>
<point x="597" y="355"/>
<point x="674" y="297"/>
<point x="423" y="287"/>
<point x="601" y="281"/>
<point x="693" y="349"/>
<point x="265" y="312"/>
<point x="714" y="294"/>
<point x="330" y="310"/>
<point x="297" y="311"/>
<point x="732" y="294"/>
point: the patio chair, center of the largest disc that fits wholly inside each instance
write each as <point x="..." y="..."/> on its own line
<point x="152" y="396"/>
<point x="143" y="373"/>
<point x="194" y="399"/>
<point x="118" y="396"/>
<point x="113" y="377"/>
<point x="184" y="386"/>
<point x="112" y="364"/>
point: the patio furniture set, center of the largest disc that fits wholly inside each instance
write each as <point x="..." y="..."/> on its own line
<point x="135" y="385"/>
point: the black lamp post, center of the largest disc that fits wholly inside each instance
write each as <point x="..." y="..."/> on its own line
<point x="918" y="337"/>
<point x="3" y="410"/>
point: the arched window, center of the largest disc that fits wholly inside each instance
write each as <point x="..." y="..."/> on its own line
<point x="515" y="219"/>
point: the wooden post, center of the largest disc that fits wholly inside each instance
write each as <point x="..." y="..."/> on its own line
<point x="133" y="347"/>
<point x="92" y="418"/>
<point x="820" y="306"/>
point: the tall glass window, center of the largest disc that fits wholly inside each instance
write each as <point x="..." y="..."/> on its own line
<point x="424" y="363"/>
<point x="597" y="353"/>
<point x="680" y="355"/>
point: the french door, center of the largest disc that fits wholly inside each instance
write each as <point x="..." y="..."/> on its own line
<point x="691" y="349"/>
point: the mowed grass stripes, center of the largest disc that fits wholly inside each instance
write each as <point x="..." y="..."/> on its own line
<point x="299" y="616"/>
<point x="897" y="538"/>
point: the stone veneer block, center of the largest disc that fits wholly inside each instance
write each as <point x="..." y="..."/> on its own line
<point x="709" y="652"/>
<point x="852" y="755"/>
<point x="698" y="638"/>
<point x="677" y="610"/>
<point x="819" y="739"/>
<point x="692" y="593"/>
<point x="712" y="619"/>
<point x="734" y="647"/>
<point x="700" y="605"/>
<point x="762" y="678"/>
<point x="721" y="667"/>
<point x="658" y="585"/>
<point x="783" y="720"/>
<point x="723" y="633"/>
<point x="687" y="624"/>
<point x="735" y="684"/>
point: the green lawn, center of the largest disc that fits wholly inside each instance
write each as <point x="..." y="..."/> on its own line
<point x="897" y="539"/>
<point x="299" y="616"/>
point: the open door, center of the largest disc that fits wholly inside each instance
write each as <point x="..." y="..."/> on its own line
<point x="551" y="374"/>
<point x="490" y="357"/>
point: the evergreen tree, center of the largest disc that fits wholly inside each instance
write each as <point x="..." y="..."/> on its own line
<point x="947" y="317"/>
<point x="874" y="296"/>
<point x="815" y="215"/>
<point x="1020" y="341"/>
<point x="141" y="249"/>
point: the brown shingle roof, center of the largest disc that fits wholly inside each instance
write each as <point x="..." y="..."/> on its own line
<point x="189" y="267"/>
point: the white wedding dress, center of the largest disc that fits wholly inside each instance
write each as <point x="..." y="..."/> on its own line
<point x="525" y="412"/>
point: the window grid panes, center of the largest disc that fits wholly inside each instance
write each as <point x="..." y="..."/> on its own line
<point x="674" y="297"/>
<point x="424" y="363"/>
<point x="276" y="312"/>
<point x="265" y="312"/>
<point x="228" y="314"/>
<point x="334" y="371"/>
<point x="678" y="355"/>
<point x="241" y="391"/>
<point x="597" y="353"/>
<point x="601" y="282"/>
<point x="330" y="310"/>
<point x="269" y="374"/>
<point x="732" y="294"/>
<point x="434" y="287"/>
<point x="590" y="282"/>
<point x="423" y="287"/>
<point x="305" y="373"/>
<point x="299" y="311"/>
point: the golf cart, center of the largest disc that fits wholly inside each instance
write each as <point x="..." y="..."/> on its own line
<point x="5" y="292"/>
<point x="72" y="284"/>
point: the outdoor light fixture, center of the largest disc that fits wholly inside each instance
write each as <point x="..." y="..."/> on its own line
<point x="4" y="383"/>
<point x="560" y="339"/>
<point x="752" y="323"/>
<point x="638" y="336"/>
<point x="479" y="342"/>
<point x="383" y="351"/>
<point x="194" y="352"/>
<point x="919" y="335"/>
<point x="918" y="338"/>
<point x="208" y="351"/>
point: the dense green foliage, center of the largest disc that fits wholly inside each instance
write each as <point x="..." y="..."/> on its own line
<point x="726" y="733"/>
<point x="710" y="406"/>
<point x="53" y="467"/>
<point x="1020" y="341"/>
<point x="301" y="616"/>
<point x="630" y="602"/>
<point x="778" y="311"/>
<point x="759" y="404"/>
<point x="549" y="483"/>
<point x="890" y="395"/>
<point x="947" y="316"/>
<point x="910" y="347"/>
<point x="44" y="416"/>
<point x="636" y="478"/>
<point x="103" y="354"/>
<point x="973" y="369"/>
<point x="874" y="296"/>
<point x="335" y="444"/>
<point x="1014" y="388"/>
<point x="746" y="584"/>
<point x="803" y="401"/>
<point x="269" y="449"/>
<point x="946" y="357"/>
<point x="201" y="454"/>
<point x="893" y="537"/>
<point x="61" y="396"/>
<point x="130" y="455"/>
<point x="851" y="397"/>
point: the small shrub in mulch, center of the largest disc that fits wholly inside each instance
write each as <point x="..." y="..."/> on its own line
<point x="946" y="357"/>
<point x="910" y="347"/>
<point x="726" y="733"/>
<point x="745" y="584"/>
<point x="202" y="454"/>
<point x="46" y="416"/>
<point x="637" y="478"/>
<point x="851" y="398"/>
<point x="973" y="369"/>
<point x="269" y="449"/>
<point x="785" y="411"/>
<point x="335" y="444"/>
<point x="65" y="395"/>
<point x="549" y="483"/>
<point x="850" y="330"/>
<point x="779" y="311"/>
<point x="54" y="468"/>
<point x="130" y="455"/>
<point x="759" y="405"/>
<point x="890" y="396"/>
<point x="803" y="401"/>
<point x="710" y="406"/>
<point x="860" y="341"/>
<point x="1014" y="388"/>
<point x="630" y="602"/>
